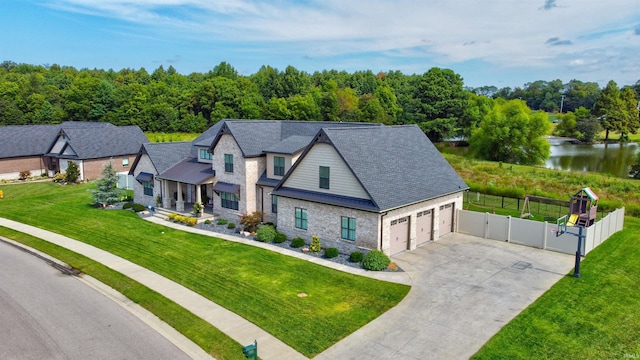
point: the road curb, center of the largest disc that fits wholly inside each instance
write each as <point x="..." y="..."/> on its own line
<point x="164" y="329"/>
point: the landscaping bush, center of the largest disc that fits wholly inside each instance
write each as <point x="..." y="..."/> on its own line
<point x="73" y="173"/>
<point x="222" y="222"/>
<point x="127" y="206"/>
<point x="280" y="238"/>
<point x="191" y="221"/>
<point x="315" y="244"/>
<point x="356" y="256"/>
<point x="375" y="260"/>
<point x="250" y="222"/>
<point x="330" y="252"/>
<point x="297" y="242"/>
<point x="172" y="216"/>
<point x="207" y="222"/>
<point x="266" y="233"/>
<point x="139" y="207"/>
<point x="231" y="225"/>
<point x="24" y="175"/>
<point x="59" y="178"/>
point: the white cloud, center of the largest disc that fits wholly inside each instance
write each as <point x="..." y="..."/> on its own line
<point x="506" y="34"/>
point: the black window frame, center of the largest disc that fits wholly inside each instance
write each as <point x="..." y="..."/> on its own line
<point x="274" y="204"/>
<point x="278" y="169"/>
<point x="147" y="188"/>
<point x="229" y="200"/>
<point x="207" y="154"/>
<point x="350" y="231"/>
<point x="324" y="182"/>
<point x="301" y="221"/>
<point x="228" y="163"/>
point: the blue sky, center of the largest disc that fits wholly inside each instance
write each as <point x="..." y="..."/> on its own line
<point x="490" y="42"/>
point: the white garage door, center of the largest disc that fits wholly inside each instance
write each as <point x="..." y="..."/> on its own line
<point x="446" y="219"/>
<point x="399" y="235"/>
<point x="424" y="226"/>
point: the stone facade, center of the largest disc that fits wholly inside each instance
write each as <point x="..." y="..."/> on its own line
<point x="10" y="168"/>
<point x="145" y="165"/>
<point x="228" y="145"/>
<point x="325" y="221"/>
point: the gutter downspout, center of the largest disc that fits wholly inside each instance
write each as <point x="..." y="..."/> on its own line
<point x="381" y="228"/>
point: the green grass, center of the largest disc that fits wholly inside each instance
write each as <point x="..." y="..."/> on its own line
<point x="209" y="338"/>
<point x="518" y="180"/>
<point x="594" y="317"/>
<point x="259" y="285"/>
<point x="170" y="137"/>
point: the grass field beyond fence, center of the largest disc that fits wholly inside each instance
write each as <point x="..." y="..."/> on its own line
<point x="259" y="285"/>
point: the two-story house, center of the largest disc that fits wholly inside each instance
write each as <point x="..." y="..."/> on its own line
<point x="352" y="184"/>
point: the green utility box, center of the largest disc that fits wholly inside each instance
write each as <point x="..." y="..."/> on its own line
<point x="251" y="351"/>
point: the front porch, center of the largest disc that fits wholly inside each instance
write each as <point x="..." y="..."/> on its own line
<point x="206" y="214"/>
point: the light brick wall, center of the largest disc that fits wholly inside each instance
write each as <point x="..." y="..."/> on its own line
<point x="412" y="211"/>
<point x="145" y="165"/>
<point x="227" y="145"/>
<point x="325" y="221"/>
<point x="11" y="168"/>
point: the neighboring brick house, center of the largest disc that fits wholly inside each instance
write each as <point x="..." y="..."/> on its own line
<point x="352" y="184"/>
<point x="47" y="149"/>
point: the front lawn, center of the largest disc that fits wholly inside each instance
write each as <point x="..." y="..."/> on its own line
<point x="594" y="317"/>
<point x="261" y="286"/>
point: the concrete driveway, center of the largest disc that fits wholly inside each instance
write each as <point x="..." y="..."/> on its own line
<point x="465" y="289"/>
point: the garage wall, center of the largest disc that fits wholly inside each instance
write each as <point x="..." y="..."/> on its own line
<point x="412" y="211"/>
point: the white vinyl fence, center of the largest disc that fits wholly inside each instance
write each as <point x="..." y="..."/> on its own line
<point x="535" y="233"/>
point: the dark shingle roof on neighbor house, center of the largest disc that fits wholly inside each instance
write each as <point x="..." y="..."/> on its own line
<point x="254" y="137"/>
<point x="26" y="140"/>
<point x="396" y="165"/>
<point x="95" y="140"/>
<point x="88" y="139"/>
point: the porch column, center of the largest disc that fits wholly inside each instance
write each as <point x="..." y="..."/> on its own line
<point x="199" y="197"/>
<point x="166" y="197"/>
<point x="179" y="202"/>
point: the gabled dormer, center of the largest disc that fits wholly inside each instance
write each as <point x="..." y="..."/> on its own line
<point x="204" y="155"/>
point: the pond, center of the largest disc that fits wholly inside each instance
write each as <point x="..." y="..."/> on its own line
<point x="613" y="159"/>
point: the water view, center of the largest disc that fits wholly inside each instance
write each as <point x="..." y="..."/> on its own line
<point x="613" y="159"/>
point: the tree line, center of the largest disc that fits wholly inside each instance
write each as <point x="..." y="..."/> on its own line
<point x="165" y="100"/>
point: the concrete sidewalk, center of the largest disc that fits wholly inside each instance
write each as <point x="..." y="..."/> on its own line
<point x="231" y="324"/>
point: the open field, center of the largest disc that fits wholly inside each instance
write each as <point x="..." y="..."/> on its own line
<point x="594" y="317"/>
<point x="259" y="285"/>
<point x="170" y="137"/>
<point x="517" y="181"/>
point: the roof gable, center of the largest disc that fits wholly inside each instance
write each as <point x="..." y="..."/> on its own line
<point x="91" y="141"/>
<point x="26" y="140"/>
<point x="163" y="155"/>
<point x="396" y="165"/>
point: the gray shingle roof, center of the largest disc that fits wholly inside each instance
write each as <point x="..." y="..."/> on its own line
<point x="396" y="165"/>
<point x="290" y="145"/>
<point x="189" y="171"/>
<point x="26" y="140"/>
<point x="165" y="155"/>
<point x="255" y="136"/>
<point x="94" y="140"/>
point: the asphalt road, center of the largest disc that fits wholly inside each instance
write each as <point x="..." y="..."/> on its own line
<point x="45" y="314"/>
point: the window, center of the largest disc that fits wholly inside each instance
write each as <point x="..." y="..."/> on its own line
<point x="148" y="187"/>
<point x="278" y="165"/>
<point x="125" y="162"/>
<point x="228" y="163"/>
<point x="229" y="200"/>
<point x="348" y="228"/>
<point x="324" y="177"/>
<point x="301" y="218"/>
<point x="274" y="204"/>
<point x="205" y="154"/>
